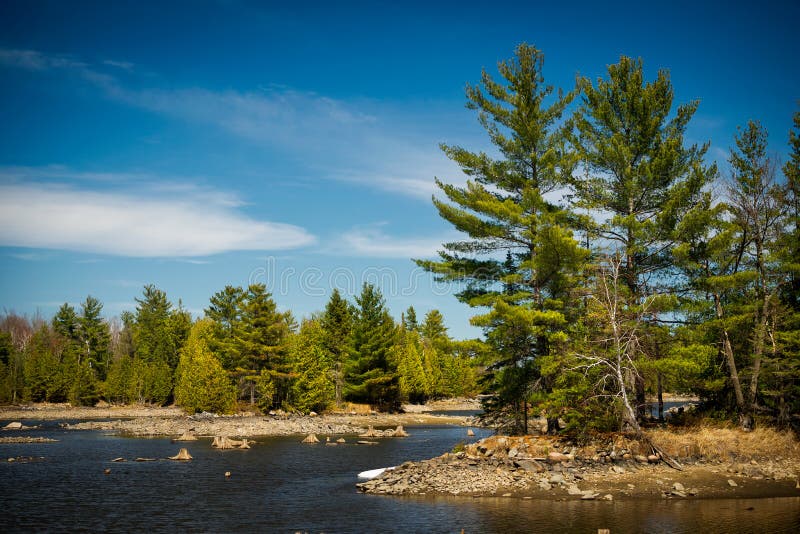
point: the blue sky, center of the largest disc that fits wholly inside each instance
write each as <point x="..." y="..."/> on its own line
<point x="197" y="144"/>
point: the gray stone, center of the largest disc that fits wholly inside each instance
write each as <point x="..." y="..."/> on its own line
<point x="678" y="487"/>
<point x="732" y="483"/>
<point x="573" y="489"/>
<point x="557" y="478"/>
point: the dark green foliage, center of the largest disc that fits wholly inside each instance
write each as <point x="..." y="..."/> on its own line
<point x="370" y="376"/>
<point x="94" y="337"/>
<point x="337" y="327"/>
<point x="520" y="258"/>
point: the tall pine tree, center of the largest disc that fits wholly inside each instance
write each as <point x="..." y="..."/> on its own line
<point x="520" y="254"/>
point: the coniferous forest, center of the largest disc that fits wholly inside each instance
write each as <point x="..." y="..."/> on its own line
<point x="608" y="259"/>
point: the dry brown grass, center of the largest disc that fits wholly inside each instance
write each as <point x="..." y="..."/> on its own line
<point x="725" y="442"/>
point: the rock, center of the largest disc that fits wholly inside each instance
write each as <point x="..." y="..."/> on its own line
<point x="531" y="466"/>
<point x="365" y="442"/>
<point x="340" y="440"/>
<point x="311" y="438"/>
<point x="653" y="459"/>
<point x="678" y="487"/>
<point x="543" y="484"/>
<point x="557" y="458"/>
<point x="619" y="470"/>
<point x="677" y="493"/>
<point x="182" y="455"/>
<point x="693" y="491"/>
<point x="608" y="497"/>
<point x="470" y="432"/>
<point x="227" y="474"/>
<point x="145" y="459"/>
<point x="312" y="414"/>
<point x="118" y="460"/>
<point x="506" y="495"/>
<point x="640" y="458"/>
<point x="732" y="483"/>
<point x="557" y="478"/>
<point x="16" y="425"/>
<point x="589" y="495"/>
<point x="106" y="471"/>
<point x="573" y="489"/>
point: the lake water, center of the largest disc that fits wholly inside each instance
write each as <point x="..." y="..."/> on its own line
<point x="281" y="485"/>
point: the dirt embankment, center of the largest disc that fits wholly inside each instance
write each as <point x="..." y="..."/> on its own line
<point x="617" y="468"/>
<point x="171" y="421"/>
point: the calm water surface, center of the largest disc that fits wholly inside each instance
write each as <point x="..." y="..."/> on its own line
<point x="281" y="485"/>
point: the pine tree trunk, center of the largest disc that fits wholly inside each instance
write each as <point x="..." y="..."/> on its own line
<point x="660" y="399"/>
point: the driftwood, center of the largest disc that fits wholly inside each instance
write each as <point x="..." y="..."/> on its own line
<point x="658" y="452"/>
<point x="311" y="438"/>
<point x="224" y="442"/>
<point x="370" y="433"/>
<point x="182" y="455"/>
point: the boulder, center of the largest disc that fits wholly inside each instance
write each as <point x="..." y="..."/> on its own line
<point x="557" y="458"/>
<point x="732" y="483"/>
<point x="340" y="440"/>
<point x="532" y="466"/>
<point x="16" y="425"/>
<point x="311" y="438"/>
<point x="678" y="487"/>
<point x="182" y="455"/>
<point x="573" y="489"/>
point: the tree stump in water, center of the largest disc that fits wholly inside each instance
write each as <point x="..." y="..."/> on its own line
<point x="182" y="455"/>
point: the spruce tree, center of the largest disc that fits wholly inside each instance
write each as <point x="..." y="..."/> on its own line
<point x="520" y="257"/>
<point x="262" y="343"/>
<point x="370" y="376"/>
<point x="337" y="326"/>
<point x="94" y="336"/>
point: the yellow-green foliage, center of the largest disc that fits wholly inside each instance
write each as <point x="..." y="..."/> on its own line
<point x="202" y="384"/>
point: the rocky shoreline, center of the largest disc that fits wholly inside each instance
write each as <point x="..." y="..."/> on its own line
<point x="542" y="468"/>
<point x="171" y="422"/>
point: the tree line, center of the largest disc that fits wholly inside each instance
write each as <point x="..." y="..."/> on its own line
<point x="244" y="350"/>
<point x="610" y="259"/>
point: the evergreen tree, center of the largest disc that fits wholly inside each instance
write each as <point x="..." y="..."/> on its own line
<point x="153" y="337"/>
<point x="337" y="326"/>
<point x="410" y="319"/>
<point x="313" y="387"/>
<point x="640" y="172"/>
<point x="262" y="343"/>
<point x="370" y="376"/>
<point x="156" y="356"/>
<point x="201" y="382"/>
<point x="406" y="356"/>
<point x="225" y="309"/>
<point x="521" y="258"/>
<point x="95" y="338"/>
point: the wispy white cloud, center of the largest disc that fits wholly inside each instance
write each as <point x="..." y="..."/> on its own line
<point x="371" y="241"/>
<point x="356" y="136"/>
<point x="52" y="216"/>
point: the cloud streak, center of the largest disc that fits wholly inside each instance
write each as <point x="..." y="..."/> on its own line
<point x="372" y="242"/>
<point x="52" y="216"/>
<point x="348" y="143"/>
